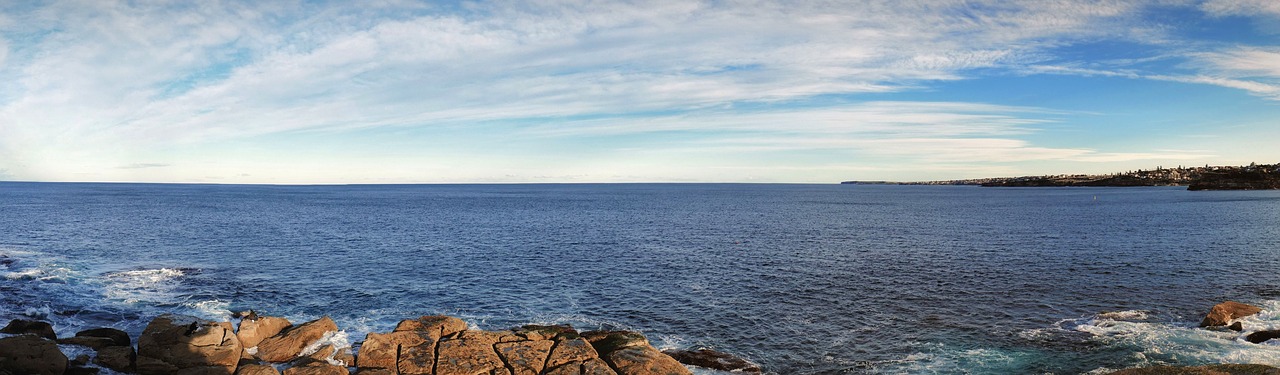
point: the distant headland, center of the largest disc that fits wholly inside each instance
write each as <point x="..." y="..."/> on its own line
<point x="1250" y="177"/>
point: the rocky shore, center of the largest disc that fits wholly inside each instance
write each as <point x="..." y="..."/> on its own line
<point x="263" y="345"/>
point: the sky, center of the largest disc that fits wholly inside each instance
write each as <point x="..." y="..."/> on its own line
<point x="288" y="92"/>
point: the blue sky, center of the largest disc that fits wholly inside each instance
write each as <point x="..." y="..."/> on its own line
<point x="610" y="91"/>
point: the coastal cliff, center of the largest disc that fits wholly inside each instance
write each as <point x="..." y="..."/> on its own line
<point x="1253" y="177"/>
<point x="1250" y="177"/>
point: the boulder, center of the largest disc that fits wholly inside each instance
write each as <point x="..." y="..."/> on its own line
<point x="254" y="369"/>
<point x="374" y="371"/>
<point x="35" y="327"/>
<point x="439" y="325"/>
<point x="1262" y="336"/>
<point x="382" y="350"/>
<point x="715" y="360"/>
<point x="1223" y="313"/>
<point x="118" y="337"/>
<point x="31" y="354"/>
<point x="119" y="358"/>
<point x="94" y="343"/>
<point x="288" y="344"/>
<point x="174" y="343"/>
<point x="525" y="357"/>
<point x="254" y="329"/>
<point x="1237" y="326"/>
<point x="644" y="360"/>
<point x="1201" y="370"/>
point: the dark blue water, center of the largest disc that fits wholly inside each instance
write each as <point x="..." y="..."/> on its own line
<point x="803" y="279"/>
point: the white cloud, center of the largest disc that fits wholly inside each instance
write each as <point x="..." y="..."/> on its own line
<point x="1241" y="7"/>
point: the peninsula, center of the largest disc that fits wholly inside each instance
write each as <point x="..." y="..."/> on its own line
<point x="1251" y="177"/>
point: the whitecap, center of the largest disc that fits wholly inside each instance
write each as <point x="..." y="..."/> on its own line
<point x="146" y="285"/>
<point x="1169" y="343"/>
<point x="216" y="310"/>
<point x="338" y="340"/>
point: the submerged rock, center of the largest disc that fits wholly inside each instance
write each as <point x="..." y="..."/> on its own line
<point x="1223" y="313"/>
<point x="173" y="343"/>
<point x="1262" y="336"/>
<point x="288" y="344"/>
<point x="35" y="327"/>
<point x="31" y="354"/>
<point x="714" y="360"/>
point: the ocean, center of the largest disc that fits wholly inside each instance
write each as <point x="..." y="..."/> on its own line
<point x="801" y="279"/>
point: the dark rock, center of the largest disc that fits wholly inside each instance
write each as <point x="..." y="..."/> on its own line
<point x="1201" y="370"/>
<point x="81" y="371"/>
<point x="288" y="344"/>
<point x="714" y="360"/>
<point x="31" y="354"/>
<point x="94" y="343"/>
<point x="1223" y="313"/>
<point x="1237" y="326"/>
<point x="1262" y="336"/>
<point x="35" y="327"/>
<point x="173" y="343"/>
<point x="119" y="358"/>
<point x="118" y="337"/>
<point x="606" y="342"/>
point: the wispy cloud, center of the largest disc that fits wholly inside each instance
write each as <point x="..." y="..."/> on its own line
<point x="143" y="166"/>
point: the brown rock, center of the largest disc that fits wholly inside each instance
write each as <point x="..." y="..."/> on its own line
<point x="31" y="354"/>
<point x="597" y="367"/>
<point x="119" y="358"/>
<point x="468" y="355"/>
<point x="374" y="371"/>
<point x="644" y="360"/>
<point x="525" y="357"/>
<point x="576" y="350"/>
<point x="1262" y="336"/>
<point x="81" y="371"/>
<point x="1237" y="326"/>
<point x="440" y="324"/>
<point x="715" y="360"/>
<point x="1202" y="370"/>
<point x="204" y="370"/>
<point x="382" y="350"/>
<point x="288" y="344"/>
<point x="118" y="337"/>
<point x="35" y="327"/>
<point x="317" y="368"/>
<point x="171" y="343"/>
<point x="417" y="359"/>
<point x="254" y="330"/>
<point x="252" y="369"/>
<point x="1222" y="313"/>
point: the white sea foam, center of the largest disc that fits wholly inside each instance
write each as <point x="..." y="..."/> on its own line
<point x="50" y="272"/>
<point x="147" y="285"/>
<point x="943" y="359"/>
<point x="216" y="310"/>
<point x="337" y="339"/>
<point x="1125" y="315"/>
<point x="1167" y="343"/>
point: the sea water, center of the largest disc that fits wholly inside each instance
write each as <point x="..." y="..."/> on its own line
<point x="802" y="279"/>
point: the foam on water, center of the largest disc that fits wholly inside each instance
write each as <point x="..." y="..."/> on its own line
<point x="1160" y="343"/>
<point x="938" y="358"/>
<point x="145" y="285"/>
<point x="338" y="340"/>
